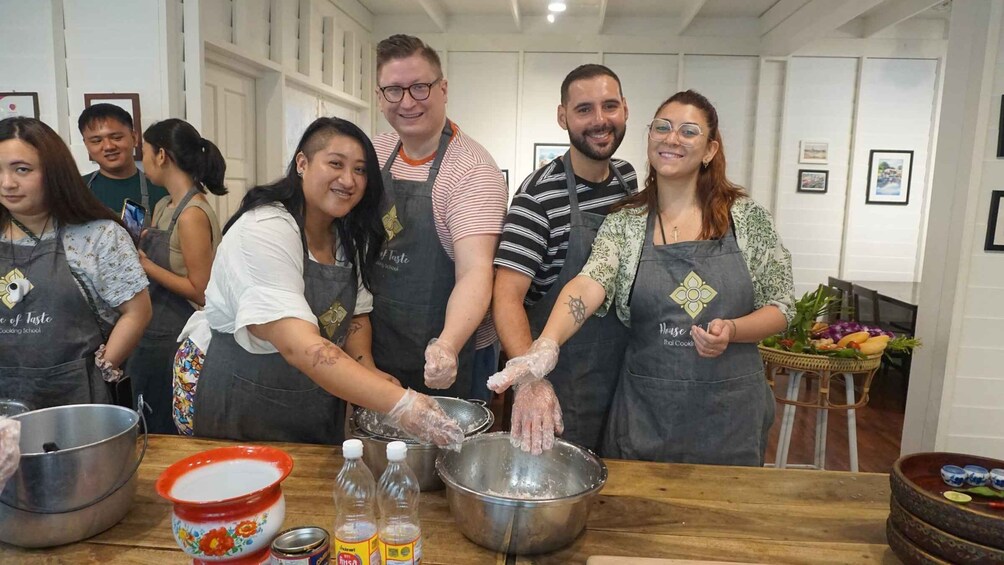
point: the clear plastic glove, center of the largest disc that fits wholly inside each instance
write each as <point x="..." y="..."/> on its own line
<point x="440" y="364"/>
<point x="423" y="418"/>
<point x="533" y="365"/>
<point x="536" y="417"/>
<point x="10" y="448"/>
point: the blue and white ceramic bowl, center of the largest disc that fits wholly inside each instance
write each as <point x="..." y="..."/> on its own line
<point x="976" y="475"/>
<point x="997" y="478"/>
<point x="953" y="475"/>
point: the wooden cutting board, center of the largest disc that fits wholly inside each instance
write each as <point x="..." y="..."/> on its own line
<point x="616" y="560"/>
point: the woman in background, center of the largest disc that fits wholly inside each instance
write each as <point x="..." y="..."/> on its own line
<point x="73" y="298"/>
<point x="176" y="252"/>
<point x="284" y="340"/>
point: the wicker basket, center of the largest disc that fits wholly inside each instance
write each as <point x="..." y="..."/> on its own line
<point x="807" y="362"/>
<point x="822" y="369"/>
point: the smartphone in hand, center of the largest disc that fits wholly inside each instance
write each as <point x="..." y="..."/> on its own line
<point x="134" y="217"/>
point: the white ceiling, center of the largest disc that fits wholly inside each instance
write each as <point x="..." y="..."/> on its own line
<point x="618" y="8"/>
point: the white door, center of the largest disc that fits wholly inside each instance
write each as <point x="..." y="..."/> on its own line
<point x="228" y="110"/>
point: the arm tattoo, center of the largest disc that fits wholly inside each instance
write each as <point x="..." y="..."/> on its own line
<point x="577" y="308"/>
<point x="325" y="353"/>
<point x="353" y="328"/>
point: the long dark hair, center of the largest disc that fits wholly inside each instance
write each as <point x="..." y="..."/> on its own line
<point x="361" y="231"/>
<point x="715" y="191"/>
<point x="197" y="156"/>
<point x="67" y="198"/>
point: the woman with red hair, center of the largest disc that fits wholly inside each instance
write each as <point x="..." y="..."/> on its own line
<point x="696" y="270"/>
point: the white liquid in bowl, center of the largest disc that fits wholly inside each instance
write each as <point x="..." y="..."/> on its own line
<point x="227" y="479"/>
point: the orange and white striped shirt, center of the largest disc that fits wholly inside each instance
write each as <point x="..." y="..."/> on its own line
<point x="469" y="196"/>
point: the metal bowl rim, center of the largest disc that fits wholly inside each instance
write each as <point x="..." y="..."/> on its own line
<point x="450" y="482"/>
<point x="70" y="450"/>
<point x="361" y="431"/>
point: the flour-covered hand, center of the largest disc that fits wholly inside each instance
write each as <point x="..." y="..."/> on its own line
<point x="533" y="365"/>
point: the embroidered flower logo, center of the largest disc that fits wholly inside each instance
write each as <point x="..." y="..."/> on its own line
<point x="332" y="318"/>
<point x="693" y="295"/>
<point x="13" y="275"/>
<point x="391" y="223"/>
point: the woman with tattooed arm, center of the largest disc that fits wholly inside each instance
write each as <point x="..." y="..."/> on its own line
<point x="696" y="270"/>
<point x="284" y="339"/>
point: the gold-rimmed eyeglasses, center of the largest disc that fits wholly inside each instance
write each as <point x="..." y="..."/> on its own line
<point x="686" y="134"/>
<point x="418" y="91"/>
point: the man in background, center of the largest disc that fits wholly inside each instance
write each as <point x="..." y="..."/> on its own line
<point x="111" y="140"/>
<point x="446" y="200"/>
<point x="547" y="239"/>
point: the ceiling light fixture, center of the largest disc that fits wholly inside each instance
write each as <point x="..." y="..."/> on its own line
<point x="557" y="7"/>
<point x="550" y="18"/>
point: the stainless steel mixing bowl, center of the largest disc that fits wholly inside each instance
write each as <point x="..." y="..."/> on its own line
<point x="511" y="501"/>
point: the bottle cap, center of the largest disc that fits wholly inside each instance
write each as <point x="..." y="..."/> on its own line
<point x="396" y="451"/>
<point x="352" y="449"/>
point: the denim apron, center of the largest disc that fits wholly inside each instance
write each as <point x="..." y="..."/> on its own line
<point x="144" y="195"/>
<point x="588" y="364"/>
<point x="152" y="363"/>
<point x="53" y="323"/>
<point x="260" y="397"/>
<point x="412" y="282"/>
<point x="671" y="404"/>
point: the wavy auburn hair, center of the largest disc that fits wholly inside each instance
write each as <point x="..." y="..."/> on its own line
<point x="715" y="192"/>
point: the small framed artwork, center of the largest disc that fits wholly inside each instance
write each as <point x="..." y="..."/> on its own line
<point x="995" y="225"/>
<point x="889" y="173"/>
<point x="505" y="176"/>
<point x="19" y="104"/>
<point x="543" y="153"/>
<point x="128" y="101"/>
<point x="813" y="181"/>
<point x="814" y="152"/>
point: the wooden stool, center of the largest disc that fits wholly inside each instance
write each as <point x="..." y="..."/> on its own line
<point x="818" y="370"/>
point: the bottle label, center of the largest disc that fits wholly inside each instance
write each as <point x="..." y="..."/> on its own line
<point x="402" y="553"/>
<point x="365" y="552"/>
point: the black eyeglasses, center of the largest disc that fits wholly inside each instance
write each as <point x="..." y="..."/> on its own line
<point x="418" y="91"/>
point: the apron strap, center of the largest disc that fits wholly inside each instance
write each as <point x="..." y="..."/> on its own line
<point x="181" y="208"/>
<point x="91" y="305"/>
<point x="91" y="178"/>
<point x="444" y="142"/>
<point x="144" y="196"/>
<point x="570" y="182"/>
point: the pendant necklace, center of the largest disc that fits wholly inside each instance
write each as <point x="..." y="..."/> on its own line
<point x="662" y="230"/>
<point x="16" y="284"/>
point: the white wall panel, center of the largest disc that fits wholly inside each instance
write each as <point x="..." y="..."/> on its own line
<point x="730" y="83"/>
<point x="26" y="53"/>
<point x="896" y="101"/>
<point x="819" y="104"/>
<point x="647" y="80"/>
<point x="483" y="100"/>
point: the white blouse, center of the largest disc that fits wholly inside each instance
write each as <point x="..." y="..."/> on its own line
<point x="257" y="277"/>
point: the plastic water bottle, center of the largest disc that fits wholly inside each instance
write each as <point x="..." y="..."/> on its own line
<point x="398" y="492"/>
<point x="355" y="539"/>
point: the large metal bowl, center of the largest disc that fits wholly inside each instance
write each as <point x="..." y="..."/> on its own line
<point x="511" y="501"/>
<point x="473" y="416"/>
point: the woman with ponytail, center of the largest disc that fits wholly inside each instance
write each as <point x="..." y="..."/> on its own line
<point x="697" y="271"/>
<point x="176" y="253"/>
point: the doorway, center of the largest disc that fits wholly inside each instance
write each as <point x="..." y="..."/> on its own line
<point x="228" y="105"/>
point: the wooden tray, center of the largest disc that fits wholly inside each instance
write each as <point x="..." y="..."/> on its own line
<point x="939" y="543"/>
<point x="907" y="552"/>
<point x="917" y="487"/>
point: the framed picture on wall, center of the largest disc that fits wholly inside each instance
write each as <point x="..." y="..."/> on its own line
<point x="505" y="176"/>
<point x="18" y="104"/>
<point x="814" y="152"/>
<point x="995" y="225"/>
<point x="128" y="101"/>
<point x="889" y="173"/>
<point x="1000" y="132"/>
<point x="813" y="181"/>
<point x="543" y="153"/>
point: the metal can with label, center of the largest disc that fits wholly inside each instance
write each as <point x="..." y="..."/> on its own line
<point x="304" y="545"/>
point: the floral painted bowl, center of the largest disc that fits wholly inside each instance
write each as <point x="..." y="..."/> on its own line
<point x="228" y="505"/>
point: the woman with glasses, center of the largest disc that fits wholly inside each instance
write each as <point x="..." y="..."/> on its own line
<point x="697" y="271"/>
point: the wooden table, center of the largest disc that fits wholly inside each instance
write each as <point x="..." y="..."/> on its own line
<point x="645" y="510"/>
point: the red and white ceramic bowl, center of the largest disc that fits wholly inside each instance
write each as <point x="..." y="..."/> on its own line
<point x="228" y="504"/>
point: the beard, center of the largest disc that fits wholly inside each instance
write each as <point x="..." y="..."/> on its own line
<point x="584" y="145"/>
